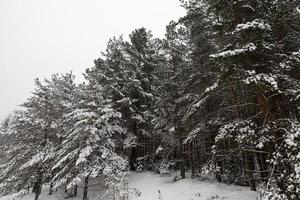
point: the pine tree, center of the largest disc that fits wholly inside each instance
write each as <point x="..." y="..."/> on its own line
<point x="172" y="95"/>
<point x="127" y="74"/>
<point x="88" y="147"/>
<point x="253" y="41"/>
<point x="35" y="134"/>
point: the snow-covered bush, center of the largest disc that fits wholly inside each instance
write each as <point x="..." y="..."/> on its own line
<point x="165" y="166"/>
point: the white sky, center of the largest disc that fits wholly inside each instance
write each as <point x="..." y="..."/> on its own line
<point x="41" y="37"/>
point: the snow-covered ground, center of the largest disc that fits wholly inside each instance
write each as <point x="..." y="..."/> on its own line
<point x="150" y="185"/>
<point x="161" y="187"/>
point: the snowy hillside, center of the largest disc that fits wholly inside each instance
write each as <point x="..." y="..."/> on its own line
<point x="157" y="187"/>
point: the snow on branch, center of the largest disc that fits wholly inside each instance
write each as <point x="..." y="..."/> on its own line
<point x="214" y="86"/>
<point x="35" y="159"/>
<point x="250" y="47"/>
<point x="84" y="153"/>
<point x="254" y="25"/>
<point x="262" y="78"/>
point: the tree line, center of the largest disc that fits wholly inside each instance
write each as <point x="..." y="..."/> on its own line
<point x="219" y="94"/>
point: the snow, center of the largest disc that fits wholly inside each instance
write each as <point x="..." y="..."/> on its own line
<point x="255" y="24"/>
<point x="298" y="10"/>
<point x="159" y="149"/>
<point x="130" y="141"/>
<point x="250" y="47"/>
<point x="214" y="86"/>
<point x="172" y="129"/>
<point x="202" y="101"/>
<point x="35" y="159"/>
<point x="68" y="156"/>
<point x="249" y="7"/>
<point x="258" y="78"/>
<point x="150" y="185"/>
<point x="84" y="153"/>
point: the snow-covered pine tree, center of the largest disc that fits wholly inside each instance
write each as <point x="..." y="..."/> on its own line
<point x="126" y="73"/>
<point x="199" y="108"/>
<point x="16" y="152"/>
<point x="254" y="41"/>
<point x="173" y="97"/>
<point x="35" y="134"/>
<point x="88" y="148"/>
<point x="5" y="131"/>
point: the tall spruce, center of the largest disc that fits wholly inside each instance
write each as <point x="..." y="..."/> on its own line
<point x="127" y="74"/>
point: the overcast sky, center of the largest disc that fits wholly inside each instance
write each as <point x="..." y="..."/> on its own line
<point x="41" y="37"/>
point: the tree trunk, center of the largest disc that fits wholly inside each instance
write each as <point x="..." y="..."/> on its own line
<point x="250" y="170"/>
<point x="132" y="158"/>
<point x="182" y="163"/>
<point x="85" y="189"/>
<point x="192" y="159"/>
<point x="264" y="166"/>
<point x="36" y="197"/>
<point x="257" y="167"/>
<point x="75" y="190"/>
<point x="37" y="187"/>
<point x="51" y="189"/>
<point x="220" y="172"/>
<point x="133" y="150"/>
